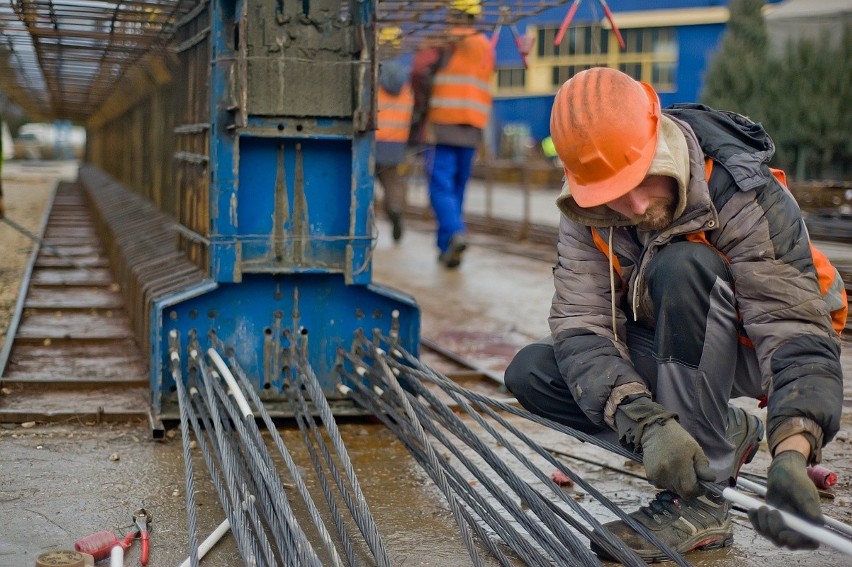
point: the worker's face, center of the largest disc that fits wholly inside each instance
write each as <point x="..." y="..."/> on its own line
<point x="651" y="204"/>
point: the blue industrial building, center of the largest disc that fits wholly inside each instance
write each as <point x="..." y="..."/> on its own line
<point x="668" y="43"/>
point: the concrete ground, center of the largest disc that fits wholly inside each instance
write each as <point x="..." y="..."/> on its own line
<point x="60" y="482"/>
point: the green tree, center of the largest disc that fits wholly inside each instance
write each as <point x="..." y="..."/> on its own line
<point x="802" y="96"/>
<point x="737" y="76"/>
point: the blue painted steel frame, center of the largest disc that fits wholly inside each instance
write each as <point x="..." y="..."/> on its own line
<point x="275" y="274"/>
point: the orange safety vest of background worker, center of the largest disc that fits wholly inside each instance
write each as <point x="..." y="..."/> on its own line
<point x="394" y="115"/>
<point x="461" y="91"/>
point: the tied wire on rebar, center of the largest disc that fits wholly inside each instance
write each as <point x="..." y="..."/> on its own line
<point x="244" y="476"/>
<point x="382" y="371"/>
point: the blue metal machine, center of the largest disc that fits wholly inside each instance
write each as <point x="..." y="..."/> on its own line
<point x="275" y="193"/>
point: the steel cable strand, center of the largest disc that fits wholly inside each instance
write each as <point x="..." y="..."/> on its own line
<point x="600" y="534"/>
<point x="245" y="476"/>
<point x="574" y="554"/>
<point x="421" y="370"/>
<point x="233" y="510"/>
<point x="368" y="526"/>
<point x="286" y="532"/>
<point x="310" y="431"/>
<point x="246" y="485"/>
<point x="206" y="453"/>
<point x="284" y="543"/>
<point x="624" y="553"/>
<point x="230" y="465"/>
<point x="630" y="556"/>
<point x="402" y="429"/>
<point x="302" y="489"/>
<point x="441" y="480"/>
<point x="629" y="520"/>
<point x="545" y="539"/>
<point x="424" y="372"/>
<point x="389" y="415"/>
<point x="305" y="422"/>
<point x="242" y="501"/>
<point x="183" y="402"/>
<point x="281" y="517"/>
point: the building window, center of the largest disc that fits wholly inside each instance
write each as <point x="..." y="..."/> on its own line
<point x="578" y="40"/>
<point x="650" y="54"/>
<point x="509" y="78"/>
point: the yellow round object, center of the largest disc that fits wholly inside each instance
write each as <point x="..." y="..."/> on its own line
<point x="471" y="7"/>
<point x="390" y="35"/>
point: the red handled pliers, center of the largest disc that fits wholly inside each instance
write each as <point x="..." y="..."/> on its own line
<point x="142" y="517"/>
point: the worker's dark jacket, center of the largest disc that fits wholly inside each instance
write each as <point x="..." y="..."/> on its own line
<point x="756" y="224"/>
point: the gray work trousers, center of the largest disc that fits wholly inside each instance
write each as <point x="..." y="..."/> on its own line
<point x="394" y="187"/>
<point x="692" y="360"/>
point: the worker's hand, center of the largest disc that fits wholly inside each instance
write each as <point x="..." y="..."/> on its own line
<point x="673" y="459"/>
<point x="788" y="488"/>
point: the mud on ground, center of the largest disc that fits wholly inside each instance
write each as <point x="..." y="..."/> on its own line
<point x="62" y="481"/>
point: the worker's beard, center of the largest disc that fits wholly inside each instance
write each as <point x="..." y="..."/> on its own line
<point x="658" y="216"/>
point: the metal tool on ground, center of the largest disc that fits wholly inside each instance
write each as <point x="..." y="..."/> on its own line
<point x="142" y="517"/>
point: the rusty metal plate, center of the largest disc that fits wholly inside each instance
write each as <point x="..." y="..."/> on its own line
<point x="64" y="325"/>
<point x="99" y="404"/>
<point x="58" y="262"/>
<point x="73" y="298"/>
<point x="72" y="276"/>
<point x="113" y="361"/>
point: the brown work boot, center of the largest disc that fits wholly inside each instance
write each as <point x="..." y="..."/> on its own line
<point x="451" y="257"/>
<point x="745" y="431"/>
<point x="683" y="525"/>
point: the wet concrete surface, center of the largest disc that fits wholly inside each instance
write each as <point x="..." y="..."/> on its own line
<point x="63" y="481"/>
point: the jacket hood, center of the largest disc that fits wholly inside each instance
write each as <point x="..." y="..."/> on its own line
<point x="392" y="76"/>
<point x="671" y="159"/>
<point x="738" y="144"/>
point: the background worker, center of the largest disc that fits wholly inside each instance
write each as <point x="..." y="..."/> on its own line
<point x="452" y="91"/>
<point x="685" y="277"/>
<point x="395" y="104"/>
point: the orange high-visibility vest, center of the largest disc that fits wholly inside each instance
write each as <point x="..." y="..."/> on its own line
<point x="394" y="116"/>
<point x="461" y="91"/>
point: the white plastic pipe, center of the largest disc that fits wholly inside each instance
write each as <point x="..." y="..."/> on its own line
<point x="818" y="533"/>
<point x="760" y="490"/>
<point x="116" y="556"/>
<point x="211" y="540"/>
<point x="232" y="383"/>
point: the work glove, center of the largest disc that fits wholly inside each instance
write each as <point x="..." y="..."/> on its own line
<point x="788" y="488"/>
<point x="673" y="458"/>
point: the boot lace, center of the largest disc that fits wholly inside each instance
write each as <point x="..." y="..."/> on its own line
<point x="666" y="505"/>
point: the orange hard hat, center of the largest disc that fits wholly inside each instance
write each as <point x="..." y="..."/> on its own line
<point x="604" y="126"/>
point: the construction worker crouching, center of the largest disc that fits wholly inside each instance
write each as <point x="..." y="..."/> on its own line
<point x="452" y="107"/>
<point x="685" y="277"/>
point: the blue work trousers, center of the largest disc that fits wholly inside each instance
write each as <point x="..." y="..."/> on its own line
<point x="449" y="169"/>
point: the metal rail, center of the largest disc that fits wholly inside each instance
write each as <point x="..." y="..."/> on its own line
<point x="70" y="350"/>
